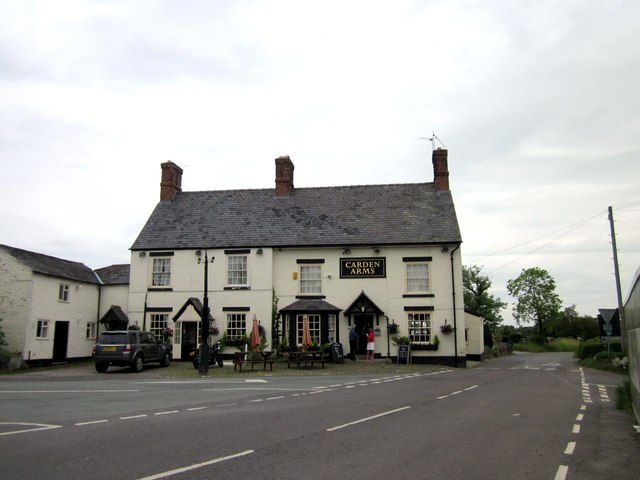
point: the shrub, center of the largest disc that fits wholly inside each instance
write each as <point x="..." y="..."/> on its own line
<point x="589" y="348"/>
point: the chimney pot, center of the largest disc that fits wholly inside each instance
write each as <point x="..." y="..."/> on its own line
<point x="440" y="169"/>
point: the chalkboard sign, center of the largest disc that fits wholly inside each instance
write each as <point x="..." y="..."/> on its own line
<point x="337" y="355"/>
<point x="403" y="353"/>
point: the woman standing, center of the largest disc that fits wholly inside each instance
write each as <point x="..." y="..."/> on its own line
<point x="370" y="344"/>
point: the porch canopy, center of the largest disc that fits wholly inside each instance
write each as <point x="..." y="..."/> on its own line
<point x="309" y="306"/>
<point x="115" y="318"/>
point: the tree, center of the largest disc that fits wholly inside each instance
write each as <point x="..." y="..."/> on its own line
<point x="569" y="323"/>
<point x="477" y="298"/>
<point x="536" y="298"/>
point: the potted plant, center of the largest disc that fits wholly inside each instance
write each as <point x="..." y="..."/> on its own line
<point x="392" y="328"/>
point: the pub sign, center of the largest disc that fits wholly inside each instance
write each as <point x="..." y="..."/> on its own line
<point x="363" y="267"/>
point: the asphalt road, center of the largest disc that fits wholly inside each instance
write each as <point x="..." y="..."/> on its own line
<point x="533" y="416"/>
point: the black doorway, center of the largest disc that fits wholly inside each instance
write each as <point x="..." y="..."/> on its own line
<point x="189" y="339"/>
<point x="60" y="341"/>
<point x="363" y="324"/>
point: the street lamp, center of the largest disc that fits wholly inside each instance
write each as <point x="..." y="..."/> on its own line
<point x="203" y="365"/>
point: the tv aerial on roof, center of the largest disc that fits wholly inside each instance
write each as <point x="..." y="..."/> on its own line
<point x="433" y="139"/>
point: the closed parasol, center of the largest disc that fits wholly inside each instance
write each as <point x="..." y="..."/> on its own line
<point x="306" y="333"/>
<point x="255" y="334"/>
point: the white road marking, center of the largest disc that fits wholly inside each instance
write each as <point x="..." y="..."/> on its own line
<point x="38" y="427"/>
<point x="133" y="416"/>
<point x="576" y="429"/>
<point x="579" y="417"/>
<point x="169" y="412"/>
<point x="561" y="474"/>
<point x="188" y="468"/>
<point x="193" y="409"/>
<point x="81" y="424"/>
<point x="571" y="446"/>
<point x="366" y="419"/>
<point x="69" y="391"/>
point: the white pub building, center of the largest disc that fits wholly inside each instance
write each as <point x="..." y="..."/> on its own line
<point x="368" y="255"/>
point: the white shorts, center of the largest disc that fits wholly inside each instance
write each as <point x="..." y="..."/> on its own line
<point x="371" y="346"/>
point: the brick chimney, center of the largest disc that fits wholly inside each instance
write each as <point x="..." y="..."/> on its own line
<point x="171" y="182"/>
<point x="284" y="176"/>
<point x="440" y="169"/>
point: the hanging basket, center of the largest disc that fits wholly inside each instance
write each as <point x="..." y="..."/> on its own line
<point x="446" y="328"/>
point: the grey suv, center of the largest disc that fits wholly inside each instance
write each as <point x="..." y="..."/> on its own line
<point x="131" y="348"/>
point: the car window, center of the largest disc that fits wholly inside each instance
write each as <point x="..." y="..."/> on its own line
<point x="108" y="338"/>
<point x="133" y="338"/>
<point x="144" y="337"/>
<point x="152" y="338"/>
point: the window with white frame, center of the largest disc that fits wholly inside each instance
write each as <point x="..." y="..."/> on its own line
<point x="236" y="325"/>
<point x="310" y="279"/>
<point x="237" y="270"/>
<point x="417" y="277"/>
<point x="91" y="330"/>
<point x="161" y="274"/>
<point x="63" y="293"/>
<point x="158" y="323"/>
<point x="314" y="327"/>
<point x="42" y="329"/>
<point x="332" y="327"/>
<point x="419" y="326"/>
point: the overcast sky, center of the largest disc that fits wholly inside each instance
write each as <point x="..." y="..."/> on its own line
<point x="538" y="104"/>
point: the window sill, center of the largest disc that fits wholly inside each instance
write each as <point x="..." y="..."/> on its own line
<point x="418" y="295"/>
<point x="237" y="287"/>
<point x="160" y="289"/>
<point x="311" y="296"/>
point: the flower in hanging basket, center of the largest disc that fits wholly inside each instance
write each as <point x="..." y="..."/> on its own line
<point x="392" y="328"/>
<point x="214" y="331"/>
<point x="446" y="328"/>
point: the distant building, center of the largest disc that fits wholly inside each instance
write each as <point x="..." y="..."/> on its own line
<point x="49" y="307"/>
<point x="355" y="255"/>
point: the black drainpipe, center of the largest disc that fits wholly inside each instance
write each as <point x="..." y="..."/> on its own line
<point x="455" y="321"/>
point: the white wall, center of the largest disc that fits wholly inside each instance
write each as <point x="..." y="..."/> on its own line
<point x="15" y="303"/>
<point x="274" y="269"/>
<point x="81" y="308"/>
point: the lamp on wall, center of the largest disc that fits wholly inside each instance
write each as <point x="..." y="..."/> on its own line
<point x="259" y="251"/>
<point x="142" y="254"/>
<point x="198" y="253"/>
<point x="346" y="251"/>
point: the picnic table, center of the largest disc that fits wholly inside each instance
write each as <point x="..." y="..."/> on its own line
<point x="306" y="359"/>
<point x="240" y="359"/>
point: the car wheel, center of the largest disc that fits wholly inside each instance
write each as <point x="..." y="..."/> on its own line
<point x="196" y="362"/>
<point x="166" y="360"/>
<point x="137" y="364"/>
<point x="220" y="361"/>
<point x="102" y="367"/>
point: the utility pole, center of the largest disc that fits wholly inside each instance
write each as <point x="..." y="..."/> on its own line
<point x="623" y="331"/>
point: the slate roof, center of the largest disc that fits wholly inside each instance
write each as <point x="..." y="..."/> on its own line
<point x="52" y="266"/>
<point x="114" y="274"/>
<point x="399" y="214"/>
